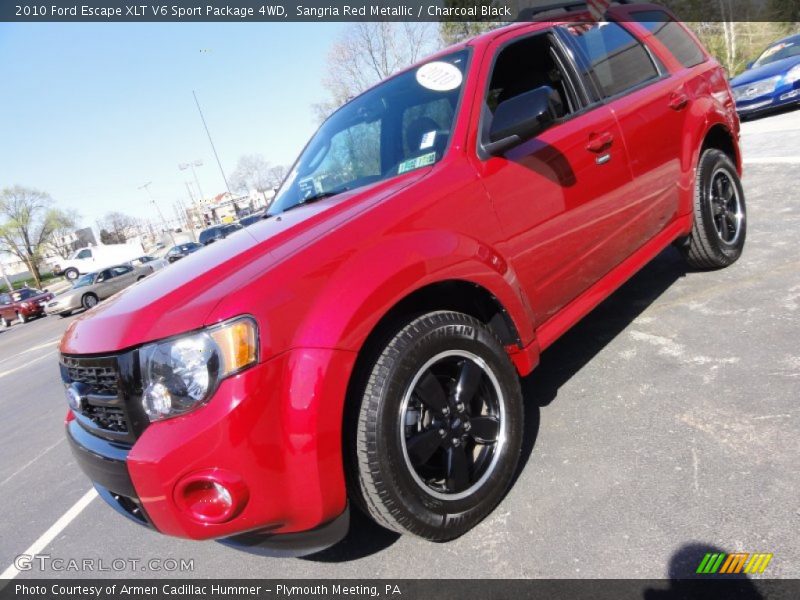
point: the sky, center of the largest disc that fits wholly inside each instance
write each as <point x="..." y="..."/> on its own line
<point x="90" y="112"/>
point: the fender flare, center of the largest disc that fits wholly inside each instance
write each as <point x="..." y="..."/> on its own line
<point x="368" y="285"/>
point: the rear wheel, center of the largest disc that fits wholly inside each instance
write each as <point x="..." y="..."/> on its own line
<point x="720" y="215"/>
<point x="22" y="318"/>
<point x="439" y="428"/>
<point x="4" y="322"/>
<point x="88" y="301"/>
<point x="71" y="274"/>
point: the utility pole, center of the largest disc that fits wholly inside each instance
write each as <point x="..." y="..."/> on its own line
<point x="192" y="165"/>
<point x="146" y="188"/>
<point x="211" y="141"/>
<point x="3" y="272"/>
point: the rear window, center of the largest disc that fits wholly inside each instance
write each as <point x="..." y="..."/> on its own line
<point x="619" y="61"/>
<point x="209" y="234"/>
<point x="672" y="35"/>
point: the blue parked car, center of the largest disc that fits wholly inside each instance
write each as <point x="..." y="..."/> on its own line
<point x="772" y="81"/>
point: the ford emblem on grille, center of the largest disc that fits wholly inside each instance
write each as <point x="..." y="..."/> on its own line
<point x="76" y="394"/>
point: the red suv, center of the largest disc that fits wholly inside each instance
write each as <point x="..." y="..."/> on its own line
<point x="363" y="343"/>
<point x="22" y="305"/>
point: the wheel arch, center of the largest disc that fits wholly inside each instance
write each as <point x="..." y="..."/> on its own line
<point x="720" y="137"/>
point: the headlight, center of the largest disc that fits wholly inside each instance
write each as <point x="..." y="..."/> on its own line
<point x="181" y="374"/>
<point x="793" y="74"/>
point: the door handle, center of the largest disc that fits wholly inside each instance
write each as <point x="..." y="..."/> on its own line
<point x="678" y="101"/>
<point x="600" y="142"/>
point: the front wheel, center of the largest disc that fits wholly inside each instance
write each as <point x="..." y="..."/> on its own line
<point x="4" y="323"/>
<point x="720" y="215"/>
<point x="439" y="428"/>
<point x="89" y="301"/>
<point x="22" y="318"/>
<point x="71" y="274"/>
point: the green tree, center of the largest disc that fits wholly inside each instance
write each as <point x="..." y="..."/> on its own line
<point x="28" y="220"/>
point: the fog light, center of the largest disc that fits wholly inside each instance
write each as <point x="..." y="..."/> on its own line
<point x="792" y="94"/>
<point x="211" y="496"/>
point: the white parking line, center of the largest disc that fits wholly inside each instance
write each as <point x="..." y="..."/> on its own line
<point x="25" y="366"/>
<point x="48" y="536"/>
<point x="30" y="462"/>
<point x="774" y="160"/>
<point x="33" y="349"/>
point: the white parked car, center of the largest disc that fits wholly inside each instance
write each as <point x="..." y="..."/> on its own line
<point x="156" y="263"/>
<point x="96" y="258"/>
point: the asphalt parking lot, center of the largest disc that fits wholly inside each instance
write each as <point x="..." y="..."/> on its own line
<point x="665" y="423"/>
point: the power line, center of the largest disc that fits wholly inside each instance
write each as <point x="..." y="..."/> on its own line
<point x="211" y="141"/>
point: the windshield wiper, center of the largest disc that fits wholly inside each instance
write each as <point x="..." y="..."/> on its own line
<point x="317" y="198"/>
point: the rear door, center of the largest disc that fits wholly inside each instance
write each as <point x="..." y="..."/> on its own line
<point x="124" y="276"/>
<point x="650" y="106"/>
<point x="564" y="199"/>
<point x="5" y="302"/>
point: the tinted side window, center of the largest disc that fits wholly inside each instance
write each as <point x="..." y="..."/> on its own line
<point x="117" y="271"/>
<point x="5" y="299"/>
<point x="619" y="61"/>
<point x="672" y="35"/>
<point x="85" y="253"/>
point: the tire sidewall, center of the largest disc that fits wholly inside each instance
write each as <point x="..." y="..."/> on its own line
<point x="429" y="511"/>
<point x="85" y="301"/>
<point x="711" y="162"/>
<point x="71" y="274"/>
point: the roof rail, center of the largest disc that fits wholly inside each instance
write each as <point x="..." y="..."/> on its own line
<point x="531" y="12"/>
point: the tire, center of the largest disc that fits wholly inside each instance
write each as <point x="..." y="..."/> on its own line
<point x="4" y="323"/>
<point x="64" y="315"/>
<point x="88" y="301"/>
<point x="21" y="318"/>
<point x="396" y="474"/>
<point x="720" y="214"/>
<point x="71" y="274"/>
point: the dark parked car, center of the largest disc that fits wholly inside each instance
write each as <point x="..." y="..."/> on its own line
<point x="772" y="81"/>
<point x="251" y="219"/>
<point x="182" y="250"/>
<point x="218" y="232"/>
<point x="21" y="305"/>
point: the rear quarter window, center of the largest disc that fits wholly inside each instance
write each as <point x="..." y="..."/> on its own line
<point x="619" y="61"/>
<point x="672" y="35"/>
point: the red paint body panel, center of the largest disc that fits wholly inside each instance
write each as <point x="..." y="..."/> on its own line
<point x="277" y="426"/>
<point x="547" y="230"/>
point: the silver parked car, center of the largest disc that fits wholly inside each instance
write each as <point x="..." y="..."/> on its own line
<point x="89" y="289"/>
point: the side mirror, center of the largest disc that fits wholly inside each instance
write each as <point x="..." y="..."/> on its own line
<point x="522" y="117"/>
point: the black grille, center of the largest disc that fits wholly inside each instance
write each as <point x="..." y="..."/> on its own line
<point x="98" y="373"/>
<point x="102" y="410"/>
<point x="110" y="418"/>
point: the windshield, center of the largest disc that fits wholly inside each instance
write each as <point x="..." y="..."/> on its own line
<point x="401" y="125"/>
<point x="785" y="49"/>
<point x="84" y="280"/>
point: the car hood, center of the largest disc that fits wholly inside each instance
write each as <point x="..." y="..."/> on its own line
<point x="779" y="67"/>
<point x="181" y="297"/>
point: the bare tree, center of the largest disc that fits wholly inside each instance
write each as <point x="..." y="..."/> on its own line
<point x="252" y="173"/>
<point x="117" y="228"/>
<point x="366" y="53"/>
<point x="276" y="174"/>
<point x="28" y="222"/>
<point x="61" y="233"/>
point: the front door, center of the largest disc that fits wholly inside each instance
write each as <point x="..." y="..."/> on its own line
<point x="564" y="199"/>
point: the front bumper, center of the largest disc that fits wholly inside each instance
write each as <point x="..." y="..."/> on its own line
<point x="277" y="426"/>
<point x="782" y="96"/>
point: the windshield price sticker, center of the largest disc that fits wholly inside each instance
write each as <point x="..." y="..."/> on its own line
<point x="416" y="163"/>
<point x="439" y="76"/>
